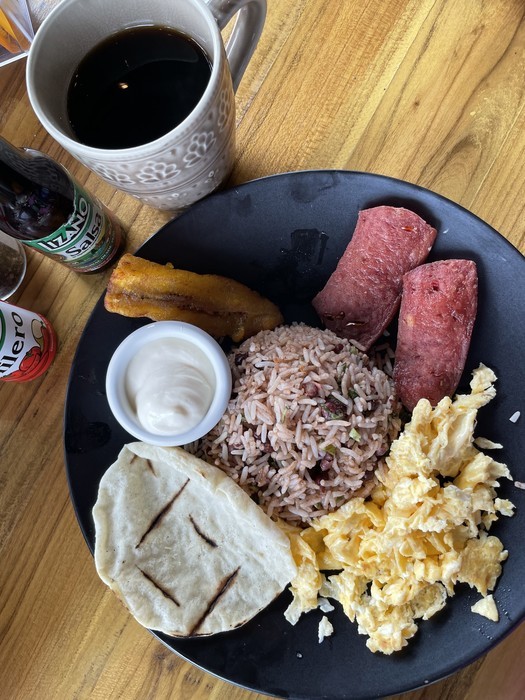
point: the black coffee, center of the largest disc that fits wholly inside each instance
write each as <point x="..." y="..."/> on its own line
<point x="135" y="86"/>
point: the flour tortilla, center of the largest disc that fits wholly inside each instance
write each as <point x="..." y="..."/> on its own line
<point x="185" y="549"/>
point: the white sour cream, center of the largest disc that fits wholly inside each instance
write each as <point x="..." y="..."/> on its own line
<point x="170" y="385"/>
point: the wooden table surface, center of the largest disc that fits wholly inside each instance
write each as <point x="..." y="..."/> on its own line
<point x="428" y="91"/>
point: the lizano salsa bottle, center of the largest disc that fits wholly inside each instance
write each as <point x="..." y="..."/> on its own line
<point x="45" y="208"/>
<point x="28" y="344"/>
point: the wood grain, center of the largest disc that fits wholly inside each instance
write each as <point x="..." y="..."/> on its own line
<point x="426" y="91"/>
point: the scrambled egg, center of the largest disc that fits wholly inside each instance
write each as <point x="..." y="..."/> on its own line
<point x="486" y="607"/>
<point x="424" y="529"/>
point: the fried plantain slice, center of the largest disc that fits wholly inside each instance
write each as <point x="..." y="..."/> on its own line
<point x="219" y="305"/>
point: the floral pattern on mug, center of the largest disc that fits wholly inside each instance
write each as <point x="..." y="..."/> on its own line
<point x="119" y="177"/>
<point x="198" y="147"/>
<point x="156" y="172"/>
<point x="224" y="110"/>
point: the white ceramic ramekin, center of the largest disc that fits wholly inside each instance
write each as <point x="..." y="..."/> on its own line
<point x="117" y="371"/>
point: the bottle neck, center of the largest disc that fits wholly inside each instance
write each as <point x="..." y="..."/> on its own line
<point x="38" y="168"/>
<point x="36" y="194"/>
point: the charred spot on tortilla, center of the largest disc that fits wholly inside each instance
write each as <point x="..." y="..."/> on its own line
<point x="160" y="588"/>
<point x="222" y="588"/>
<point x="201" y="533"/>
<point x="159" y="517"/>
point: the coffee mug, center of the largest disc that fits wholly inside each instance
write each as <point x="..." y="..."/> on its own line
<point x="193" y="158"/>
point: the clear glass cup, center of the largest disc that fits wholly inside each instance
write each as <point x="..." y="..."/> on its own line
<point x="12" y="265"/>
<point x="16" y="30"/>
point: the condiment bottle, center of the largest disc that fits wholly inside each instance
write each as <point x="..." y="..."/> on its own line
<point x="43" y="206"/>
<point x="28" y="343"/>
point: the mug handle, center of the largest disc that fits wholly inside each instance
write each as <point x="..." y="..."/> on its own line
<point x="245" y="33"/>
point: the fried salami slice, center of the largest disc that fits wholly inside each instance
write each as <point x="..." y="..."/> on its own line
<point x="437" y="314"/>
<point x="363" y="293"/>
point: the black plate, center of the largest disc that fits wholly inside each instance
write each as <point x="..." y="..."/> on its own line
<point x="282" y="236"/>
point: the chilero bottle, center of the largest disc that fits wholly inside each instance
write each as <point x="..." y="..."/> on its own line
<point x="28" y="343"/>
<point x="45" y="208"/>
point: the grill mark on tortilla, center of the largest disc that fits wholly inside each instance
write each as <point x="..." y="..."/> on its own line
<point x="158" y="518"/>
<point x="150" y="467"/>
<point x="224" y="585"/>
<point x="159" y="587"/>
<point x="207" y="539"/>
